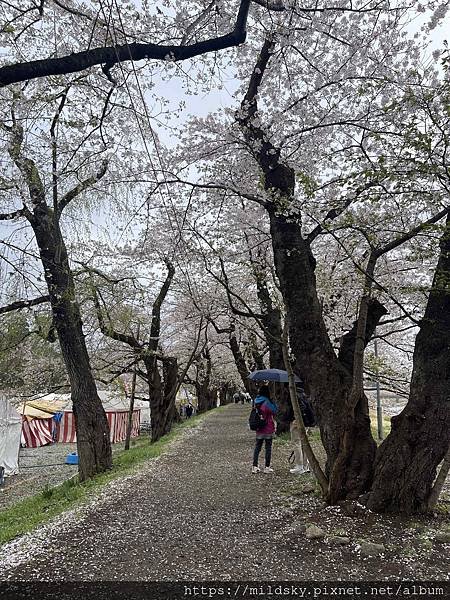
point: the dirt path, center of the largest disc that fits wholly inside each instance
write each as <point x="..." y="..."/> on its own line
<point x="197" y="513"/>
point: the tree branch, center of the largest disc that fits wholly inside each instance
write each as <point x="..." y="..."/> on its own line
<point x="411" y="233"/>
<point x="26" y="166"/>
<point x="219" y="186"/>
<point x="112" y="55"/>
<point x="182" y="377"/>
<point x="92" y="270"/>
<point x="346" y="351"/>
<point x="276" y="6"/>
<point x="53" y="127"/>
<point x="108" y="330"/>
<point x="19" y="304"/>
<point x="81" y="187"/>
<point x="266" y="154"/>
<point x="155" y="328"/>
<point x="13" y="215"/>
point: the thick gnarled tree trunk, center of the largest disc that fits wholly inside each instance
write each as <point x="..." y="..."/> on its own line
<point x="93" y="443"/>
<point x="406" y="462"/>
<point x="328" y="383"/>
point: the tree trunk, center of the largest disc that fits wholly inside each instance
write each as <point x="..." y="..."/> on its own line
<point x="212" y="398"/>
<point x="203" y="398"/>
<point x="170" y="373"/>
<point x="162" y="395"/>
<point x="225" y="394"/>
<point x="439" y="482"/>
<point x="328" y="383"/>
<point x="273" y="331"/>
<point x="93" y="442"/>
<point x="300" y="426"/>
<point x="239" y="360"/>
<point x="256" y="363"/>
<point x="160" y="400"/>
<point x="406" y="462"/>
<point x="285" y="414"/>
<point x="206" y="397"/>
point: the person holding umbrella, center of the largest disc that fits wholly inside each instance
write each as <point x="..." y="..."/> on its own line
<point x="268" y="409"/>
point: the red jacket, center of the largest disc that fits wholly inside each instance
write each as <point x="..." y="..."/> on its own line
<point x="268" y="409"/>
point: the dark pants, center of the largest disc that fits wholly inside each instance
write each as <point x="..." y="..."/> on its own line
<point x="258" y="447"/>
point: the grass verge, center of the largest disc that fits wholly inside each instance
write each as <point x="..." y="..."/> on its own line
<point x="27" y="514"/>
<point x="374" y="425"/>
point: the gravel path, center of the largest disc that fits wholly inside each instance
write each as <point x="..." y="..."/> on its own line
<point x="39" y="467"/>
<point x="196" y="513"/>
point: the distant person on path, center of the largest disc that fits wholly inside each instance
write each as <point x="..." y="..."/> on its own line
<point x="189" y="410"/>
<point x="268" y="409"/>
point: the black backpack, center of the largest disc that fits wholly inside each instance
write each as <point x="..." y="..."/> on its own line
<point x="256" y="420"/>
<point x="309" y="418"/>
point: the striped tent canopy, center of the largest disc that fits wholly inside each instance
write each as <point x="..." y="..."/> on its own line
<point x="50" y="419"/>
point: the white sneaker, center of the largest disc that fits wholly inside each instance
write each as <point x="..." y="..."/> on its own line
<point x="268" y="470"/>
<point x="299" y="470"/>
<point x="256" y="469"/>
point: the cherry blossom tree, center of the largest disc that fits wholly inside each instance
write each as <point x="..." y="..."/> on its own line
<point x="53" y="162"/>
<point x="350" y="106"/>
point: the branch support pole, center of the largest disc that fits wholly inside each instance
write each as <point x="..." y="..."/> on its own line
<point x="306" y="446"/>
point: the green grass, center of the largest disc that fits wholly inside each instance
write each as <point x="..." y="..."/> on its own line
<point x="27" y="514"/>
<point x="374" y="426"/>
<point x="282" y="439"/>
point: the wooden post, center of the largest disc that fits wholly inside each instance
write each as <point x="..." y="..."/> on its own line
<point x="379" y="407"/>
<point x="133" y="390"/>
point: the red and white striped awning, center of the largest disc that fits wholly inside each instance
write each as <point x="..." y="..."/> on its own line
<point x="117" y="422"/>
<point x="37" y="432"/>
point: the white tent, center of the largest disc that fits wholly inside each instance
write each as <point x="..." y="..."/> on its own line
<point x="10" y="430"/>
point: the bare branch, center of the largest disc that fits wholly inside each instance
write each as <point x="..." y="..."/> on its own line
<point x="19" y="304"/>
<point x="107" y="328"/>
<point x="276" y="6"/>
<point x="11" y="216"/>
<point x="217" y="186"/>
<point x="92" y="270"/>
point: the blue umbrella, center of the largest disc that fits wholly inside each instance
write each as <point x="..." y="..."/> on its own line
<point x="271" y="375"/>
